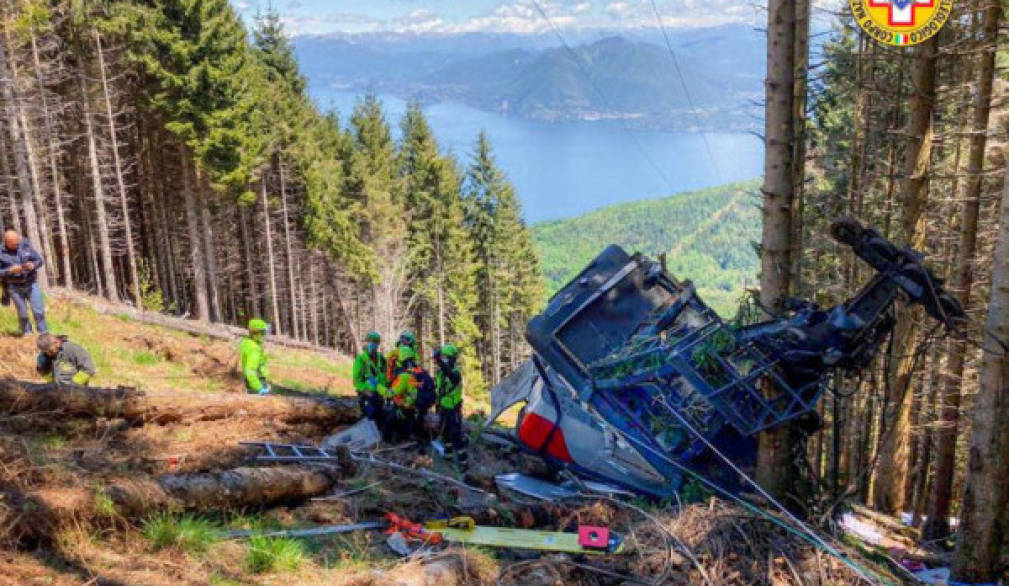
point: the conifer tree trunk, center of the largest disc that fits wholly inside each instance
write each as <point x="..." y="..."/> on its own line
<point x="207" y="235"/>
<point x="937" y="523"/>
<point x="92" y="248"/>
<point x="11" y="193"/>
<point x="495" y="324"/>
<point x="982" y="532"/>
<point x="313" y="301"/>
<point x="270" y="258"/>
<point x="196" y="260"/>
<point x="893" y="462"/>
<point x="295" y="330"/>
<point x="105" y="243"/>
<point x="53" y="169"/>
<point x="44" y="236"/>
<point x="440" y="286"/>
<point x="117" y="168"/>
<point x="167" y="247"/>
<point x="18" y="136"/>
<point x="775" y="466"/>
<point x="252" y="304"/>
<point x="799" y="90"/>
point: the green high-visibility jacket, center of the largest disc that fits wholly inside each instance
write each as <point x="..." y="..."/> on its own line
<point x="448" y="387"/>
<point x="253" y="361"/>
<point x="368" y="369"/>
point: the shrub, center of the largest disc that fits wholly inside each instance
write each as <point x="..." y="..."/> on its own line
<point x="269" y="554"/>
<point x="188" y="533"/>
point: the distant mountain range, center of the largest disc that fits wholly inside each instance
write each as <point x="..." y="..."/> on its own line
<point x="632" y="77"/>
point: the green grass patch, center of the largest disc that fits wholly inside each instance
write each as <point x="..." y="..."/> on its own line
<point x="312" y="361"/>
<point x="219" y="580"/>
<point x="144" y="358"/>
<point x="188" y="533"/>
<point x="104" y="505"/>
<point x="54" y="441"/>
<point x="270" y="554"/>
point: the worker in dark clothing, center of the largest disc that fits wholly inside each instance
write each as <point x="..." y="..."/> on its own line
<point x="369" y="379"/>
<point x="411" y="396"/>
<point x="19" y="266"/>
<point x="63" y="362"/>
<point x="448" y="389"/>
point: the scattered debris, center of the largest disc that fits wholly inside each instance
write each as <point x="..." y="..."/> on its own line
<point x="359" y="437"/>
<point x="369" y="459"/>
<point x="312" y="532"/>
<point x="347" y="493"/>
<point x="397" y="543"/>
<point x="534" y="487"/>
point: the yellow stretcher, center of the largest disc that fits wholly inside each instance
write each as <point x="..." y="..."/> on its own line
<point x="465" y="530"/>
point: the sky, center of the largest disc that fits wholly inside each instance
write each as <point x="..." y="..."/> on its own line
<point x="514" y="16"/>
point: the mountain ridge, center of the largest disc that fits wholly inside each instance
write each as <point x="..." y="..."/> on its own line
<point x="630" y="77"/>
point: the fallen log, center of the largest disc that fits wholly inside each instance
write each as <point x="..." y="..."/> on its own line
<point x="229" y="490"/>
<point x="165" y="407"/>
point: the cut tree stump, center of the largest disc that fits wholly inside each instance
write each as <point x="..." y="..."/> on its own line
<point x="233" y="489"/>
<point x="163" y="407"/>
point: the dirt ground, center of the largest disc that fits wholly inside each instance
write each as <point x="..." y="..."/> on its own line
<point x="58" y="527"/>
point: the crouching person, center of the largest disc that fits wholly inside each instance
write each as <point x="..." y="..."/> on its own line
<point x="63" y="362"/>
<point x="448" y="388"/>
<point x="252" y="358"/>
<point x="369" y="379"/>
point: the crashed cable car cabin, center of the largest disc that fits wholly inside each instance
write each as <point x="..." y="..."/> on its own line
<point x="636" y="382"/>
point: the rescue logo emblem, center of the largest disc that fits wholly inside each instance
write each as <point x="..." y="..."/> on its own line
<point x="901" y="23"/>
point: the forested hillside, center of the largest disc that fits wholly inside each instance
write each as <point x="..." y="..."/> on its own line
<point x="155" y="151"/>
<point x="708" y="236"/>
<point x="910" y="140"/>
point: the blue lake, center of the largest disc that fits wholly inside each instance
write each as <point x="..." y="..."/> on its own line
<point x="566" y="169"/>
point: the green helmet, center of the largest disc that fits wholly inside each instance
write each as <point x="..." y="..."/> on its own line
<point x="257" y="325"/>
<point x="404" y="354"/>
<point x="407" y="338"/>
<point x="449" y="351"/>
<point x="373" y="336"/>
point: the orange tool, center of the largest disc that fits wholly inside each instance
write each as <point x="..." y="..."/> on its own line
<point x="411" y="530"/>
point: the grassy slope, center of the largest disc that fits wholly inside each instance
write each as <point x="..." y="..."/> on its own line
<point x="137" y="355"/>
<point x="55" y="457"/>
<point x="709" y="234"/>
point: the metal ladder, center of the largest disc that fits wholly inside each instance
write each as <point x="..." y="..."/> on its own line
<point x="290" y="452"/>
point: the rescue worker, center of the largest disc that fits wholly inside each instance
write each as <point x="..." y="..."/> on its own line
<point x="411" y="396"/>
<point x="392" y="363"/>
<point x="448" y="389"/>
<point x="63" y="362"/>
<point x="370" y="380"/>
<point x="19" y="266"/>
<point x="252" y="358"/>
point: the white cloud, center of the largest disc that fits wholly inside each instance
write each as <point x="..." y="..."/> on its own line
<point x="525" y="16"/>
<point x="617" y="9"/>
<point x="324" y="23"/>
<point x="539" y="16"/>
<point x="418" y="21"/>
<point x="681" y="13"/>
